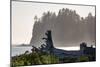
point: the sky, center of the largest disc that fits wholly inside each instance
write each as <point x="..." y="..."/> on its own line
<point x="23" y="17"/>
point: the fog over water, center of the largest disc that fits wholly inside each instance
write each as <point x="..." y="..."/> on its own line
<point x="70" y="24"/>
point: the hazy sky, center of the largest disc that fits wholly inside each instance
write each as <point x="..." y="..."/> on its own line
<point x="23" y="17"/>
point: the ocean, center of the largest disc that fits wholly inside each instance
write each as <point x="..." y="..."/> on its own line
<point x="17" y="50"/>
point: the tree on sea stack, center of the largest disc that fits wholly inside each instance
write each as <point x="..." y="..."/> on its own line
<point x="35" y="18"/>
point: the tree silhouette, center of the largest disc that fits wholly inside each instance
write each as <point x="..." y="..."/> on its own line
<point x="48" y="47"/>
<point x="35" y="18"/>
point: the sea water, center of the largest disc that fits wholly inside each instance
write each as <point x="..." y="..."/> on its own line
<point x="17" y="50"/>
